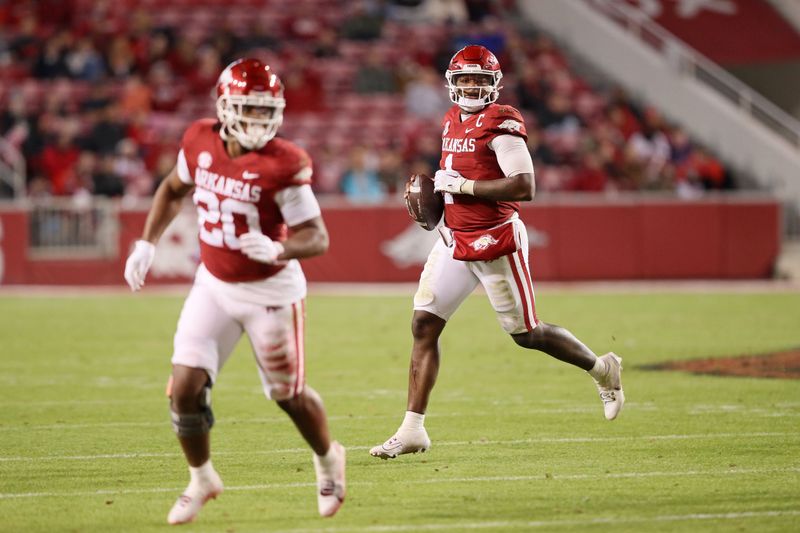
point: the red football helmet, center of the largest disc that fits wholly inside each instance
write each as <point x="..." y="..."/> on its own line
<point x="474" y="59"/>
<point x="243" y="85"/>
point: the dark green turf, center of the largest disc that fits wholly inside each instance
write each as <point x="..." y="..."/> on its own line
<point x="519" y="439"/>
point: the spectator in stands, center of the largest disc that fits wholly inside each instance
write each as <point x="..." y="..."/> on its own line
<point x="224" y="42"/>
<point x="126" y="53"/>
<point x="360" y="182"/>
<point x="558" y="115"/>
<point x="451" y="12"/>
<point x="623" y="114"/>
<point x="650" y="148"/>
<point x="303" y="24"/>
<point x="166" y="92"/>
<point x="164" y="164"/>
<point x="541" y="153"/>
<point x="374" y="75"/>
<point x="531" y="89"/>
<point x="420" y="166"/>
<point x="19" y="126"/>
<point x="391" y="171"/>
<point x="128" y="165"/>
<point x="478" y="9"/>
<point x="136" y="97"/>
<point x="562" y="127"/>
<point x="363" y="22"/>
<point x="183" y="56"/>
<point x="51" y="62"/>
<point x="84" y="62"/>
<point x="59" y="159"/>
<point x="98" y="99"/>
<point x="157" y="48"/>
<point x="589" y="176"/>
<point x="680" y="146"/>
<point x="489" y="32"/>
<point x="120" y="59"/>
<point x="411" y="12"/>
<point x="424" y="96"/>
<point x="204" y="76"/>
<point x="84" y="174"/>
<point x="260" y="35"/>
<point x="429" y="148"/>
<point x="302" y="86"/>
<point x="105" y="182"/>
<point x="327" y="44"/>
<point x="24" y="46"/>
<point x="708" y="170"/>
<point x="109" y="130"/>
<point x="329" y="167"/>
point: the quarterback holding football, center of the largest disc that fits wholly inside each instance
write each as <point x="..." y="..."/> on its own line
<point x="485" y="171"/>
<point x="249" y="188"/>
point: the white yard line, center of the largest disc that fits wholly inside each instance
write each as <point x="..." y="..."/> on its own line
<point x="516" y="524"/>
<point x="478" y="479"/>
<point x="477" y="442"/>
<point x="781" y="411"/>
<point x="407" y="289"/>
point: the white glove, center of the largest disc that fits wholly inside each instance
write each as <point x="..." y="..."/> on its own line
<point x="453" y="182"/>
<point x="138" y="264"/>
<point x="261" y="248"/>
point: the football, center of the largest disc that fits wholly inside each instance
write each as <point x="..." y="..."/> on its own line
<point x="424" y="205"/>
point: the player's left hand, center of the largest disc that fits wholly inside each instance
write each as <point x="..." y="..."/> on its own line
<point x="453" y="182"/>
<point x="261" y="248"/>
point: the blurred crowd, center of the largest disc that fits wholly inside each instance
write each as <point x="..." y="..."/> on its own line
<point x="95" y="94"/>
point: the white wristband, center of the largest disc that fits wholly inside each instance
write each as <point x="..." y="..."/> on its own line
<point x="468" y="187"/>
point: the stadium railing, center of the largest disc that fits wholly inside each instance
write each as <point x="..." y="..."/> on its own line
<point x="690" y="62"/>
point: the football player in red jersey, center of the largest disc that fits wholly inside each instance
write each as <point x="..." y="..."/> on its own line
<point x="249" y="186"/>
<point x="486" y="170"/>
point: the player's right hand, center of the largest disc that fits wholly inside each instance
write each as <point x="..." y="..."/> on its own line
<point x="138" y="263"/>
<point x="453" y="182"/>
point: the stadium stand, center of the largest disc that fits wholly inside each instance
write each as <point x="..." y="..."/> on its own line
<point x="98" y="92"/>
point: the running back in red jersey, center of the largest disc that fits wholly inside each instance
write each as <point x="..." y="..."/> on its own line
<point x="237" y="195"/>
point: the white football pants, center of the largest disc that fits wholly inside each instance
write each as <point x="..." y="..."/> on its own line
<point x="445" y="283"/>
<point x="211" y="323"/>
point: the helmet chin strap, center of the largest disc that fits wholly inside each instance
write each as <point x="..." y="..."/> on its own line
<point x="471" y="105"/>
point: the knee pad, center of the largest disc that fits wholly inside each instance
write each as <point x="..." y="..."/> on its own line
<point x="189" y="425"/>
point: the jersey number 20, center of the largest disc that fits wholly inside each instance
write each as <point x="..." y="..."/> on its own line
<point x="217" y="220"/>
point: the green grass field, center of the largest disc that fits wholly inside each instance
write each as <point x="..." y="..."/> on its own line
<point x="519" y="439"/>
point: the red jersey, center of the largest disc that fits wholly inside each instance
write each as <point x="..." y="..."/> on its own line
<point x="237" y="195"/>
<point x="465" y="148"/>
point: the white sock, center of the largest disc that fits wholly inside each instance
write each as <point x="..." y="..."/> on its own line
<point x="599" y="369"/>
<point x="327" y="460"/>
<point x="413" y="421"/>
<point x="201" y="475"/>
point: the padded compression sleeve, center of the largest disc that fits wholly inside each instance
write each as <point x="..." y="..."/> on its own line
<point x="512" y="155"/>
<point x="297" y="204"/>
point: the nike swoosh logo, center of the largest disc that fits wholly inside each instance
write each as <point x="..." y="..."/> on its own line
<point x="250" y="175"/>
<point x="468" y="130"/>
